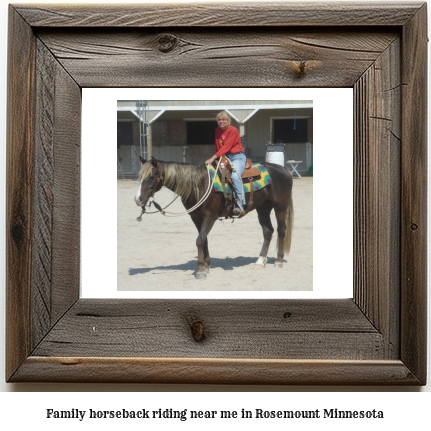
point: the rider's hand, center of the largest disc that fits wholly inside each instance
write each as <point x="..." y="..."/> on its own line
<point x="209" y="161"/>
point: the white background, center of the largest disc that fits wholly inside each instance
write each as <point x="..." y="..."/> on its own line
<point x="332" y="190"/>
<point x="404" y="408"/>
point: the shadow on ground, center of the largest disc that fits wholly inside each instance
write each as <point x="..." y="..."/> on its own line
<point x="227" y="263"/>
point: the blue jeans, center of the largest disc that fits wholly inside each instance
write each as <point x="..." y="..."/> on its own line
<point x="239" y="161"/>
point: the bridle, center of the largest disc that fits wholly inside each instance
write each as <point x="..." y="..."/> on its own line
<point x="169" y="214"/>
<point x="150" y="201"/>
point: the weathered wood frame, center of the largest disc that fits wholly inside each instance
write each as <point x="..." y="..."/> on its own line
<point x="379" y="337"/>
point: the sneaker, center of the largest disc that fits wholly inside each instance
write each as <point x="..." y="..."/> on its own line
<point x="238" y="212"/>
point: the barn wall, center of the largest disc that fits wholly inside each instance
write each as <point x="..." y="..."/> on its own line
<point x="258" y="133"/>
<point x="195" y="154"/>
<point x="128" y="164"/>
<point x="169" y="132"/>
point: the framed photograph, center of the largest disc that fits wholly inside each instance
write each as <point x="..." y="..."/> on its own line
<point x="157" y="254"/>
<point x="378" y="337"/>
<point x="180" y="130"/>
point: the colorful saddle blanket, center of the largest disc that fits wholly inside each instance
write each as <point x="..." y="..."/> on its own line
<point x="258" y="182"/>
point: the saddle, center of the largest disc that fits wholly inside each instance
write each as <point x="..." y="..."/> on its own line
<point x="250" y="172"/>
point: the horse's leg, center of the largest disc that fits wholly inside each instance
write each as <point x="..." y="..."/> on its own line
<point x="207" y="259"/>
<point x="263" y="214"/>
<point x="280" y="214"/>
<point x="204" y="261"/>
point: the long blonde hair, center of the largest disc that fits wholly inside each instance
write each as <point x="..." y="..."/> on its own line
<point x="224" y="114"/>
<point x="182" y="178"/>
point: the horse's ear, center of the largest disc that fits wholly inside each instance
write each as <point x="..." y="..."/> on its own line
<point x="153" y="161"/>
<point x="142" y="160"/>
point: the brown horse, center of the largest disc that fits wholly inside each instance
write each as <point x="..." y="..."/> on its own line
<point x="191" y="181"/>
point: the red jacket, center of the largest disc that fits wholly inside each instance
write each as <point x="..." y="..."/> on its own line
<point x="227" y="141"/>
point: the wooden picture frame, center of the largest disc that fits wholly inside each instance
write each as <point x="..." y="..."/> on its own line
<point x="378" y="337"/>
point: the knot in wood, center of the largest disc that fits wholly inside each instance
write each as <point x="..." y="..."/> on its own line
<point x="197" y="328"/>
<point x="300" y="69"/>
<point x="167" y="42"/>
<point x="18" y="233"/>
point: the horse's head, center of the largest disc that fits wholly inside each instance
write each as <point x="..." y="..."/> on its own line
<point x="150" y="181"/>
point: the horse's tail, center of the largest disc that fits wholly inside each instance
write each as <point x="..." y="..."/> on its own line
<point x="289" y="227"/>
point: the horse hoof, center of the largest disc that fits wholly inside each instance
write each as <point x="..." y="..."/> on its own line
<point x="261" y="262"/>
<point x="278" y="264"/>
<point x="201" y="275"/>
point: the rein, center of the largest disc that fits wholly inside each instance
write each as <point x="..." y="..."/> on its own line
<point x="171" y="214"/>
<point x="158" y="207"/>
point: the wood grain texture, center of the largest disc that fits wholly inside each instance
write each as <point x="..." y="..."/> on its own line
<point x="43" y="195"/>
<point x="377" y="338"/>
<point x="19" y="208"/>
<point x="57" y="193"/>
<point x="215" y="15"/>
<point x="377" y="182"/>
<point x="234" y="329"/>
<point x="414" y="170"/>
<point x="261" y="57"/>
<point x="215" y="371"/>
<point x="67" y="194"/>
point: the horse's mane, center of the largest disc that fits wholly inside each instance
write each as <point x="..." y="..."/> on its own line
<point x="182" y="178"/>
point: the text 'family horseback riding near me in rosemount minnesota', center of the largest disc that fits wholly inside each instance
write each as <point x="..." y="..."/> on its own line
<point x="185" y="414"/>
